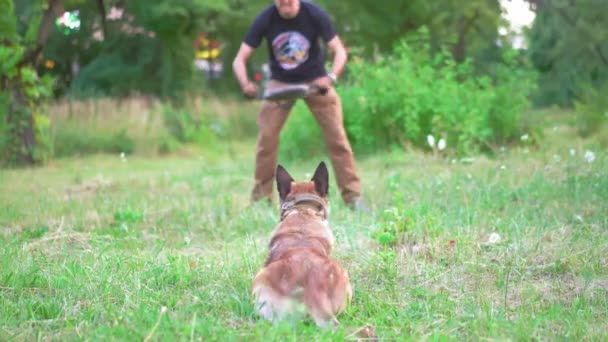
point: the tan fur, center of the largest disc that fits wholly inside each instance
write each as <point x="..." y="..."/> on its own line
<point x="299" y="273"/>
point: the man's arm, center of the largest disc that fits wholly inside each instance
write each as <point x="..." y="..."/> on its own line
<point x="239" y="66"/>
<point x="340" y="56"/>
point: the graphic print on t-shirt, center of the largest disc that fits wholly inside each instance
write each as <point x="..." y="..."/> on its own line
<point x="290" y="49"/>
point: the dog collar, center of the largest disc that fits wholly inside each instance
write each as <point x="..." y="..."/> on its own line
<point x="305" y="198"/>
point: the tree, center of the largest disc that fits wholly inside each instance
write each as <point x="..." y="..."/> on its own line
<point x="467" y="28"/>
<point x="134" y="46"/>
<point x="24" y="131"/>
<point x="569" y="46"/>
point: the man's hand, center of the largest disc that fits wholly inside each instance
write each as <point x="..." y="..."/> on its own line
<point x="249" y="88"/>
<point x="324" y="82"/>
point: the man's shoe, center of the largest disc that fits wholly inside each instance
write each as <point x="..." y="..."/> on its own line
<point x="358" y="205"/>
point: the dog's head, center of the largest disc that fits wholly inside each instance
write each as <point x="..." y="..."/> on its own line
<point x="313" y="193"/>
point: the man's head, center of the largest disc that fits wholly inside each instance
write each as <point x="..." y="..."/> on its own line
<point x="288" y="9"/>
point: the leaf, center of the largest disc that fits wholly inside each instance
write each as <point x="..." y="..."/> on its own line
<point x="28" y="75"/>
<point x="8" y="21"/>
<point x="9" y="58"/>
<point x="386" y="238"/>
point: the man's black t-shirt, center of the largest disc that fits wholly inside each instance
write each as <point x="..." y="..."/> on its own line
<point x="293" y="44"/>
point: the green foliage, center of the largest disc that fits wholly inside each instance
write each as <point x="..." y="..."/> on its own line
<point x="470" y="26"/>
<point x="148" y="50"/>
<point x="152" y="52"/>
<point x="401" y="99"/>
<point x="569" y="47"/>
<point x="8" y="22"/>
<point x="408" y="96"/>
<point x="117" y="73"/>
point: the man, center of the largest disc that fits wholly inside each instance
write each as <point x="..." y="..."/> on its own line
<point x="292" y="29"/>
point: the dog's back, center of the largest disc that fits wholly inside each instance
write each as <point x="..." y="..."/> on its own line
<point x="298" y="271"/>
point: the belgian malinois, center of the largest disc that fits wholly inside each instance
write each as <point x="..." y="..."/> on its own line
<point x="299" y="272"/>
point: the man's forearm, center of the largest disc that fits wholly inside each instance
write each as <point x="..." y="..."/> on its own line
<point x="339" y="62"/>
<point x="240" y="71"/>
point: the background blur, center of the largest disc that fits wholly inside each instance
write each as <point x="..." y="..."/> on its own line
<point x="154" y="77"/>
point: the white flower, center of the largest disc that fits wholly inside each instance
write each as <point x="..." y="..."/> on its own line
<point x="524" y="137"/>
<point x="163" y="309"/>
<point x="589" y="156"/>
<point x="572" y="152"/>
<point x="122" y="155"/>
<point x="431" y="140"/>
<point x="503" y="167"/>
<point x="441" y="144"/>
<point x="494" y="238"/>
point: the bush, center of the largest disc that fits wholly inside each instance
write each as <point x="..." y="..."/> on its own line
<point x="403" y="98"/>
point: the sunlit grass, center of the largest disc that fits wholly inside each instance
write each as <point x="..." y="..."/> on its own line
<point x="505" y="248"/>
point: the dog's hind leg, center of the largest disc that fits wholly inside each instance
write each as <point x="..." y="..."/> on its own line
<point x="327" y="294"/>
<point x="319" y="307"/>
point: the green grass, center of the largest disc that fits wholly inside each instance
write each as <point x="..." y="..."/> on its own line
<point x="94" y="248"/>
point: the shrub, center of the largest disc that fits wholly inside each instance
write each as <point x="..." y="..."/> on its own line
<point x="402" y="98"/>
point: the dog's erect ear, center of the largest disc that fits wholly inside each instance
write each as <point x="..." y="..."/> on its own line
<point x="284" y="181"/>
<point x="321" y="179"/>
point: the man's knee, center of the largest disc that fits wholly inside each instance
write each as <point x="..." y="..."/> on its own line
<point x="338" y="145"/>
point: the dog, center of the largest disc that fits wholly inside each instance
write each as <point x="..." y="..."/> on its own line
<point x="299" y="276"/>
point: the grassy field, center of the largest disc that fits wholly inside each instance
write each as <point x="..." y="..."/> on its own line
<point x="509" y="248"/>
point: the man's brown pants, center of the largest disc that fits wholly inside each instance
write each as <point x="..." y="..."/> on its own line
<point x="327" y="110"/>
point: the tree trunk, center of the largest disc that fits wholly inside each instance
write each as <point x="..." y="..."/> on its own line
<point x="54" y="9"/>
<point x="19" y="103"/>
<point x="464" y="25"/>
<point x="102" y="14"/>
